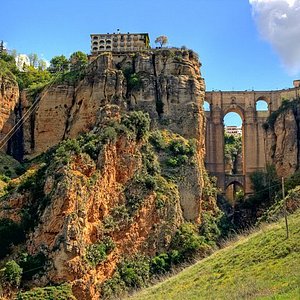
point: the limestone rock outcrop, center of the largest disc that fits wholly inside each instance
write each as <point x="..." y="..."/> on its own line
<point x="171" y="90"/>
<point x="9" y="97"/>
<point x="111" y="184"/>
<point x="282" y="141"/>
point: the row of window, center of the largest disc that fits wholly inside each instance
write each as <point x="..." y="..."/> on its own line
<point x="121" y="44"/>
<point x="102" y="48"/>
<point x="117" y="38"/>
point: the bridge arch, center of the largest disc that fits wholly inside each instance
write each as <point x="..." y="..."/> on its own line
<point x="233" y="190"/>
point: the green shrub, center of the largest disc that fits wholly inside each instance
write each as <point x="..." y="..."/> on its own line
<point x="209" y="227"/>
<point x="157" y="140"/>
<point x="137" y="122"/>
<point x="131" y="273"/>
<point x="31" y="264"/>
<point x="135" y="271"/>
<point x="134" y="81"/>
<point x="96" y="253"/>
<point x="150" y="160"/>
<point x="60" y="292"/>
<point x="4" y="178"/>
<point x="187" y="241"/>
<point x="70" y="77"/>
<point x="12" y="273"/>
<point x="160" y="264"/>
<point x="113" y="287"/>
<point x="292" y="181"/>
<point x="11" y="233"/>
<point x="109" y="134"/>
<point x="66" y="149"/>
<point x="120" y="214"/>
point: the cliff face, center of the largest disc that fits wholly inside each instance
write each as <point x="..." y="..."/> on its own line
<point x="168" y="86"/>
<point x="107" y="185"/>
<point x="282" y="140"/>
<point x="122" y="188"/>
<point x="170" y="89"/>
<point x="9" y="97"/>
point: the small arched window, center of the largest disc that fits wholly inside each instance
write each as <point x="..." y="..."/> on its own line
<point x="206" y="106"/>
<point x="262" y="105"/>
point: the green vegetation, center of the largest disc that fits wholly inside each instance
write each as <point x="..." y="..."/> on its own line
<point x="96" y="253"/>
<point x="262" y="266"/>
<point x="9" y="167"/>
<point x="60" y="292"/>
<point x="33" y="78"/>
<point x="11" y="233"/>
<point x="59" y="64"/>
<point x="266" y="186"/>
<point x="178" y="151"/>
<point x="137" y="271"/>
<point x="133" y="80"/>
<point x="232" y="149"/>
<point x="11" y="274"/>
<point x="31" y="264"/>
<point x="187" y="241"/>
<point x="131" y="273"/>
<point x="275" y="211"/>
<point x="36" y="77"/>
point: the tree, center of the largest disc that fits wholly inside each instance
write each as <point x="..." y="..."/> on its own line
<point x="42" y="65"/>
<point x="161" y="40"/>
<point x="78" y="61"/>
<point x="59" y="64"/>
<point x="33" y="59"/>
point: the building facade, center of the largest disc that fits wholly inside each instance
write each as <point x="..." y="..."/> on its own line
<point x="119" y="42"/>
<point x="233" y="130"/>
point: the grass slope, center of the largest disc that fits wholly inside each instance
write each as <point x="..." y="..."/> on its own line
<point x="263" y="265"/>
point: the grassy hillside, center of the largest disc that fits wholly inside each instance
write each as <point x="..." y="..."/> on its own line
<point x="263" y="265"/>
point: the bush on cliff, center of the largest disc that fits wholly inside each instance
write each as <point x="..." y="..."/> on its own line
<point x="96" y="253"/>
<point x="11" y="274"/>
<point x="11" y="233"/>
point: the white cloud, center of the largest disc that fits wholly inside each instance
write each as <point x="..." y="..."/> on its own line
<point x="278" y="22"/>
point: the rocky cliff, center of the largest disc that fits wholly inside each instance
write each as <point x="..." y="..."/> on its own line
<point x="283" y="137"/>
<point x="165" y="83"/>
<point x="9" y="98"/>
<point x="124" y="174"/>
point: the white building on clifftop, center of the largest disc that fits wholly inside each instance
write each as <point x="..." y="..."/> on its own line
<point x="119" y="42"/>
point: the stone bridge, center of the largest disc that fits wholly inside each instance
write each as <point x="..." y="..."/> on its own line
<point x="234" y="179"/>
<point x="254" y="154"/>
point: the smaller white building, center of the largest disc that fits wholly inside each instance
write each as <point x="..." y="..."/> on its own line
<point x="22" y="60"/>
<point x="234" y="130"/>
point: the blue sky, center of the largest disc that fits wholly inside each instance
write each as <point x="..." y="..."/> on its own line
<point x="235" y="53"/>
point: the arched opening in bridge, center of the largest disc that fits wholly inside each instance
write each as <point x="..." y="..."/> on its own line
<point x="206" y="106"/>
<point x="261" y="105"/>
<point x="234" y="192"/>
<point x="233" y="144"/>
